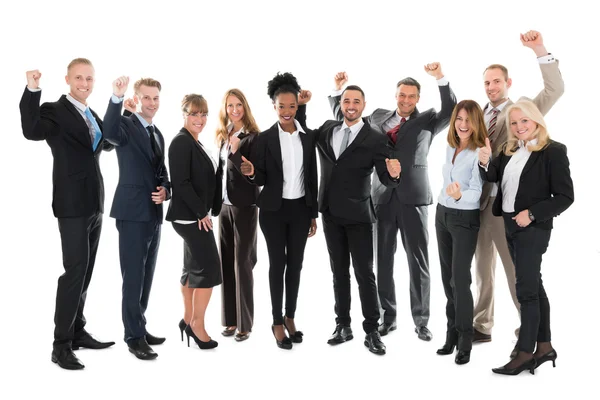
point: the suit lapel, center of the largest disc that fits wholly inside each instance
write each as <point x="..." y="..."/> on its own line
<point x="532" y="159"/>
<point x="141" y="136"/>
<point x="362" y="135"/>
<point x="81" y="125"/>
<point x="199" y="148"/>
<point x="274" y="145"/>
<point x="328" y="138"/>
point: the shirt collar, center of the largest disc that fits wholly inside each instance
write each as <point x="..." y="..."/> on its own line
<point x="532" y="142"/>
<point x="296" y="123"/>
<point x="80" y="106"/>
<point x="499" y="107"/>
<point x="144" y="123"/>
<point x="354" y="128"/>
<point x="230" y="128"/>
<point x="399" y="116"/>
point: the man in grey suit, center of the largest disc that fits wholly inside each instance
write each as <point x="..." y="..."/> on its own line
<point x="410" y="133"/>
<point x="492" y="238"/>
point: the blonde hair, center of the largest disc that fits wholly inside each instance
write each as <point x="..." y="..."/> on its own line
<point x="146" y="82"/>
<point x="541" y="132"/>
<point x="78" y="61"/>
<point x="222" y="133"/>
<point x="475" y="116"/>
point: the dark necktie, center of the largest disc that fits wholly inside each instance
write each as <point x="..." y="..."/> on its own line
<point x="156" y="154"/>
<point x="492" y="124"/>
<point x="393" y="133"/>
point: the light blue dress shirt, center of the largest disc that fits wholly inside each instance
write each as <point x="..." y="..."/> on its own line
<point x="465" y="171"/>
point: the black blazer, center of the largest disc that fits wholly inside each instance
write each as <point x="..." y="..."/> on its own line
<point x="345" y="186"/>
<point x="241" y="191"/>
<point x="138" y="177"/>
<point x="196" y="185"/>
<point x="268" y="169"/>
<point x="78" y="187"/>
<point x="411" y="148"/>
<point x="545" y="186"/>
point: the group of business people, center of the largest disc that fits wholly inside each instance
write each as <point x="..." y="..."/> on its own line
<point x="503" y="144"/>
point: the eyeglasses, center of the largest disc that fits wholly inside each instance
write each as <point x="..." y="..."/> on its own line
<point x="197" y="114"/>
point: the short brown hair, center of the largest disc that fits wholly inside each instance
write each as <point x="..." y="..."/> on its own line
<point x="194" y="103"/>
<point x="475" y="116"/>
<point x="77" y="61"/>
<point x="146" y="82"/>
<point x="500" y="67"/>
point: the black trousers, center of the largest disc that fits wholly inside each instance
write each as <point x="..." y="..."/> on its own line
<point x="345" y="240"/>
<point x="138" y="250"/>
<point x="526" y="247"/>
<point x="457" y="232"/>
<point x="237" y="244"/>
<point x="79" y="240"/>
<point x="286" y="232"/>
<point x="411" y="221"/>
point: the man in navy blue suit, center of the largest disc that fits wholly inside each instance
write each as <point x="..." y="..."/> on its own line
<point x="137" y="206"/>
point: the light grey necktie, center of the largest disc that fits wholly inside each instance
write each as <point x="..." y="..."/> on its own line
<point x="344" y="141"/>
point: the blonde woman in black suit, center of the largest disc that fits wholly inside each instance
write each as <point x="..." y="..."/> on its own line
<point x="196" y="185"/>
<point x="534" y="187"/>
<point x="239" y="216"/>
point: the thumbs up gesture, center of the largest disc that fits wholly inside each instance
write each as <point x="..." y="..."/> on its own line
<point x="485" y="153"/>
<point x="453" y="190"/>
<point x="393" y="167"/>
<point x="247" y="167"/>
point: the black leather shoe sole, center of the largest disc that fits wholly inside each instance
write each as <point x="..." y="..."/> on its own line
<point x="99" y="346"/>
<point x="69" y="366"/>
<point x="374" y="350"/>
<point x="340" y="340"/>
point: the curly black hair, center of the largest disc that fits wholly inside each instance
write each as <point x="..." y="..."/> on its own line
<point x="283" y="83"/>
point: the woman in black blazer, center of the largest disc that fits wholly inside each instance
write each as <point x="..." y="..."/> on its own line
<point x="534" y="186"/>
<point x="284" y="163"/>
<point x="239" y="216"/>
<point x="196" y="186"/>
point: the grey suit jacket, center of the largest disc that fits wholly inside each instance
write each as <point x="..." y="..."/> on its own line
<point x="554" y="87"/>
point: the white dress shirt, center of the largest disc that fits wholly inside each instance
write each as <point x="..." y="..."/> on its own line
<point x="224" y="156"/>
<point x="293" y="163"/>
<point x="512" y="175"/>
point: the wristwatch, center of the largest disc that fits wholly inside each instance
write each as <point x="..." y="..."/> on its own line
<point x="531" y="217"/>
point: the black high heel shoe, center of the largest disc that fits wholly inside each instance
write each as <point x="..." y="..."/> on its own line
<point x="182" y="326"/>
<point x="549" y="356"/>
<point x="295" y="337"/>
<point x="530" y="365"/>
<point x="446" y="349"/>
<point x="285" y="344"/>
<point x="211" y="344"/>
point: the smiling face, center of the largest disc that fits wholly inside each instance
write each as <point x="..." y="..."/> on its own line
<point x="407" y="97"/>
<point x="195" y="121"/>
<point x="148" y="101"/>
<point x="352" y="105"/>
<point x="235" y="109"/>
<point x="521" y="126"/>
<point x="286" y="106"/>
<point x="496" y="85"/>
<point x="80" y="78"/>
<point x="463" y="126"/>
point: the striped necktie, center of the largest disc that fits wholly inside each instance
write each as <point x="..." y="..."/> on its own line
<point x="492" y="124"/>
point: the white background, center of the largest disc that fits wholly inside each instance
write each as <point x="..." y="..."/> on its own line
<point x="207" y="47"/>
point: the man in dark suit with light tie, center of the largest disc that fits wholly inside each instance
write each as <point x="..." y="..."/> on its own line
<point x="404" y="208"/>
<point x="348" y="151"/>
<point x="137" y="206"/>
<point x="74" y="133"/>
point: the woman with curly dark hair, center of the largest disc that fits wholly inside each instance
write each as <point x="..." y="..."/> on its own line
<point x="284" y="163"/>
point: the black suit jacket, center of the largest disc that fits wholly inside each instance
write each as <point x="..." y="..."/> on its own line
<point x="196" y="185"/>
<point x="411" y="148"/>
<point x="345" y="186"/>
<point x="241" y="191"/>
<point x="78" y="187"/>
<point x="268" y="169"/>
<point x="545" y="186"/>
<point x="138" y="177"/>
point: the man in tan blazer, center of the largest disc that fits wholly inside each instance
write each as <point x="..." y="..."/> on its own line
<point x="492" y="238"/>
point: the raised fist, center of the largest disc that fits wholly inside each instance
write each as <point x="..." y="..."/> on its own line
<point x="341" y="78"/>
<point x="120" y="86"/>
<point x="33" y="79"/>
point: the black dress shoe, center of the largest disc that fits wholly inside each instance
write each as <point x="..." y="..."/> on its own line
<point x="341" y="334"/>
<point x="154" y="340"/>
<point x="423" y="333"/>
<point x="285" y="344"/>
<point x="515" y="351"/>
<point x="211" y="344"/>
<point x="446" y="349"/>
<point x="182" y="326"/>
<point x="374" y="343"/>
<point x="240" y="337"/>
<point x="88" y="342"/>
<point x="295" y="337"/>
<point x="549" y="356"/>
<point x="65" y="358"/>
<point x="462" y="357"/>
<point x="386" y="328"/>
<point x="530" y="365"/>
<point x="140" y="349"/>
<point x="481" y="337"/>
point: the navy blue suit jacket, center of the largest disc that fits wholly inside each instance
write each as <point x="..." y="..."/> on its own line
<point x="138" y="178"/>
